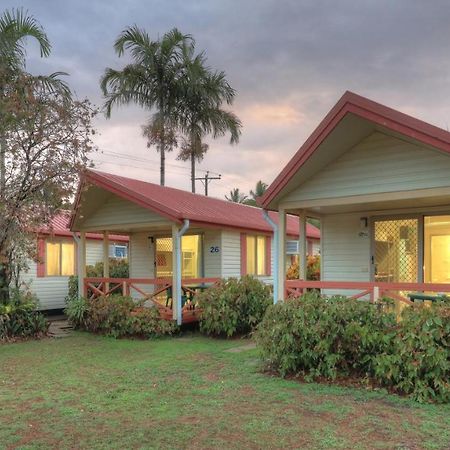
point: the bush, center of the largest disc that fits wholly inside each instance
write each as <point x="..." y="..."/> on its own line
<point x="324" y="337"/>
<point x="233" y="306"/>
<point x="419" y="361"/>
<point x="118" y="316"/>
<point x="317" y="337"/>
<point x="19" y="317"/>
<point x="312" y="269"/>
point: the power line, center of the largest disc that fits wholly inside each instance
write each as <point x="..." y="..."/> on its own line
<point x="142" y="159"/>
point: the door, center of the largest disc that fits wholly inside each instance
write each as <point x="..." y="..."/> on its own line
<point x="191" y="260"/>
<point x="437" y="249"/>
<point x="396" y="250"/>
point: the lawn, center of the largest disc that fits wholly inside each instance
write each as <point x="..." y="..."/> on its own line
<point x="93" y="392"/>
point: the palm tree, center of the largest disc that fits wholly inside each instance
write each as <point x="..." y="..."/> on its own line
<point x="236" y="196"/>
<point x="15" y="27"/>
<point x="200" y="112"/>
<point x="259" y="191"/>
<point x="150" y="81"/>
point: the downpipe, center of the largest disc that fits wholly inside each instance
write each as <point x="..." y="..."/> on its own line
<point x="178" y="252"/>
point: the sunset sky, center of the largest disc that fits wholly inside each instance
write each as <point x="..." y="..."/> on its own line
<point x="289" y="61"/>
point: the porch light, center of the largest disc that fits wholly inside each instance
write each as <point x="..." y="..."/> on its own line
<point x="363" y="223"/>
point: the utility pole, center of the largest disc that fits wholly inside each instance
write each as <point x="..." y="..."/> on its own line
<point x="207" y="179"/>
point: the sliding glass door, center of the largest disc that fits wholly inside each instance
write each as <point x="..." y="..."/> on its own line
<point x="411" y="249"/>
<point x="396" y="250"/>
<point x="436" y="267"/>
<point x="191" y="250"/>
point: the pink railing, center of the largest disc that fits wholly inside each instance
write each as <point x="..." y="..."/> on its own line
<point x="374" y="290"/>
<point x="97" y="287"/>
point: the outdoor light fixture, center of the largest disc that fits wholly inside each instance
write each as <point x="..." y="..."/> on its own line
<point x="363" y="223"/>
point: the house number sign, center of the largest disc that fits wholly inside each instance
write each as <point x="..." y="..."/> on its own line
<point x="214" y="249"/>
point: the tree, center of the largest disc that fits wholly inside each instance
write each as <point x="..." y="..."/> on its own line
<point x="236" y="196"/>
<point x="259" y="191"/>
<point x="151" y="81"/>
<point x="48" y="139"/>
<point x="15" y="26"/>
<point x="200" y="108"/>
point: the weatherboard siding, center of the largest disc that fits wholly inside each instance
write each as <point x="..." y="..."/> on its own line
<point x="212" y="250"/>
<point x="52" y="291"/>
<point x="345" y="250"/>
<point x="231" y="254"/>
<point x="116" y="211"/>
<point x="142" y="260"/>
<point x="378" y="164"/>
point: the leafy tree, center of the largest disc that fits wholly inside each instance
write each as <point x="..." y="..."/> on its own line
<point x="203" y="92"/>
<point x="48" y="139"/>
<point x="152" y="81"/>
<point x="15" y="27"/>
<point x="236" y="196"/>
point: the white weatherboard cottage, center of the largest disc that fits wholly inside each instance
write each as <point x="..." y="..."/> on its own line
<point x="379" y="181"/>
<point x="179" y="241"/>
<point x="49" y="277"/>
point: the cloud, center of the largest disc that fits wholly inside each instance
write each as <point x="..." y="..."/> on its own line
<point x="289" y="62"/>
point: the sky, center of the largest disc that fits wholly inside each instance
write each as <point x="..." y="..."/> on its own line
<point x="289" y="61"/>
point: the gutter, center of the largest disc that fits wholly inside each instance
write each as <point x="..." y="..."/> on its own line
<point x="177" y="246"/>
<point x="275" y="253"/>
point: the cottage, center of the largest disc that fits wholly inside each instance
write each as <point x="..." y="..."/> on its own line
<point x="179" y="241"/>
<point x="379" y="182"/>
<point x="49" y="277"/>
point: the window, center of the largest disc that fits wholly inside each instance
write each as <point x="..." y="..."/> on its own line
<point x="119" y="251"/>
<point x="256" y="255"/>
<point x="60" y="258"/>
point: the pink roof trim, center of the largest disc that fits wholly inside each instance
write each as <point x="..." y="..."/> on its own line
<point x="177" y="205"/>
<point x="367" y="109"/>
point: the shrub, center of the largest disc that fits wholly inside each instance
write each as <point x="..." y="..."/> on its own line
<point x="324" y="337"/>
<point x="316" y="337"/>
<point x="312" y="269"/>
<point x="233" y="306"/>
<point x="118" y="316"/>
<point x="419" y="361"/>
<point x="19" y="317"/>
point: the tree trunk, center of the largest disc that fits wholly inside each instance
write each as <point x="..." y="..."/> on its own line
<point x="163" y="165"/>
<point x="193" y="172"/>
<point x="5" y="279"/>
<point x="2" y="166"/>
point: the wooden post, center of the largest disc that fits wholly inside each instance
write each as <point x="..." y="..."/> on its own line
<point x="376" y="294"/>
<point x="281" y="254"/>
<point x="302" y="246"/>
<point x="81" y="260"/>
<point x="106" y="259"/>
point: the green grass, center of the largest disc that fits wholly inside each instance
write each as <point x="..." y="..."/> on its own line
<point x="93" y="392"/>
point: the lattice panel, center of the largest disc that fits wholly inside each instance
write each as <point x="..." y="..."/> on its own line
<point x="396" y="250"/>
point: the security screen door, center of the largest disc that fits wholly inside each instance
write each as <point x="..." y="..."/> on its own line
<point x="396" y="250"/>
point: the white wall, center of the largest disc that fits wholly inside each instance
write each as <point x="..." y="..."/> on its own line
<point x="378" y="164"/>
<point x="212" y="240"/>
<point x="52" y="291"/>
<point x="345" y="250"/>
<point x="142" y="260"/>
<point x="116" y="211"/>
<point x="231" y="254"/>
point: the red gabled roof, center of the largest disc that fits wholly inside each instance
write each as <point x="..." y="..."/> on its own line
<point x="377" y="113"/>
<point x="177" y="205"/>
<point x="59" y="226"/>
